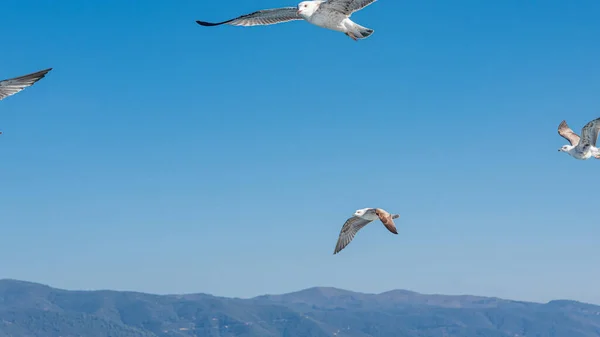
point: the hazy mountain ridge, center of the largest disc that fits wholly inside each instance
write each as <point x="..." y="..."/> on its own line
<point x="29" y="309"/>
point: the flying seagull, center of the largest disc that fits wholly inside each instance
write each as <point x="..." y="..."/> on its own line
<point x="12" y="86"/>
<point x="330" y="14"/>
<point x="361" y="218"/>
<point x="583" y="147"/>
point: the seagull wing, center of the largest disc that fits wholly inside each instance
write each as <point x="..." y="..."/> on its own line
<point x="387" y="219"/>
<point x="260" y="18"/>
<point x="346" y="7"/>
<point x="589" y="133"/>
<point x="349" y="230"/>
<point x="565" y="131"/>
<point x="14" y="85"/>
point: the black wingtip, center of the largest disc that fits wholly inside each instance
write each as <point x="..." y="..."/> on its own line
<point x="38" y="75"/>
<point x="208" y="24"/>
<point x="40" y="72"/>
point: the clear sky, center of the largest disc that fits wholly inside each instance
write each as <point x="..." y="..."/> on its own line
<point x="166" y="157"/>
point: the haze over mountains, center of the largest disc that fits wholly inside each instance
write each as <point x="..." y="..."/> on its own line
<point x="30" y="309"/>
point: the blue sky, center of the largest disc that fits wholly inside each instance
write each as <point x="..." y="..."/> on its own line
<point x="166" y="157"/>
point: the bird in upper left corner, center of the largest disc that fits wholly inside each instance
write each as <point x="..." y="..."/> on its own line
<point x="12" y="86"/>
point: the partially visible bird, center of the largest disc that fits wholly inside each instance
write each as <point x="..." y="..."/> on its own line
<point x="12" y="86"/>
<point x="330" y="14"/>
<point x="583" y="147"/>
<point x="361" y="218"/>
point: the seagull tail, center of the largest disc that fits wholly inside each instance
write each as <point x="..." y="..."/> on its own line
<point x="363" y="32"/>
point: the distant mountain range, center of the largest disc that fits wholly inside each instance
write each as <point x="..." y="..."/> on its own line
<point x="30" y="309"/>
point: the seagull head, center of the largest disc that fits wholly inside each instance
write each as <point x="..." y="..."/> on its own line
<point x="565" y="148"/>
<point x="308" y="8"/>
<point x="361" y="212"/>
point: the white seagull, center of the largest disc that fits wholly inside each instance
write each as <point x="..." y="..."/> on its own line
<point x="12" y="86"/>
<point x="330" y="14"/>
<point x="361" y="218"/>
<point x="583" y="147"/>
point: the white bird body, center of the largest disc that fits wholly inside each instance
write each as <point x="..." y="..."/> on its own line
<point x="366" y="213"/>
<point x="584" y="154"/>
<point x="333" y="21"/>
<point x="309" y="10"/>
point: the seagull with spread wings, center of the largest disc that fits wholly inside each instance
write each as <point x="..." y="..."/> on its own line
<point x="330" y="14"/>
<point x="361" y="218"/>
<point x="12" y="86"/>
<point x="583" y="147"/>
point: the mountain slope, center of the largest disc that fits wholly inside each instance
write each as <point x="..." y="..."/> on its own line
<point x="29" y="309"/>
